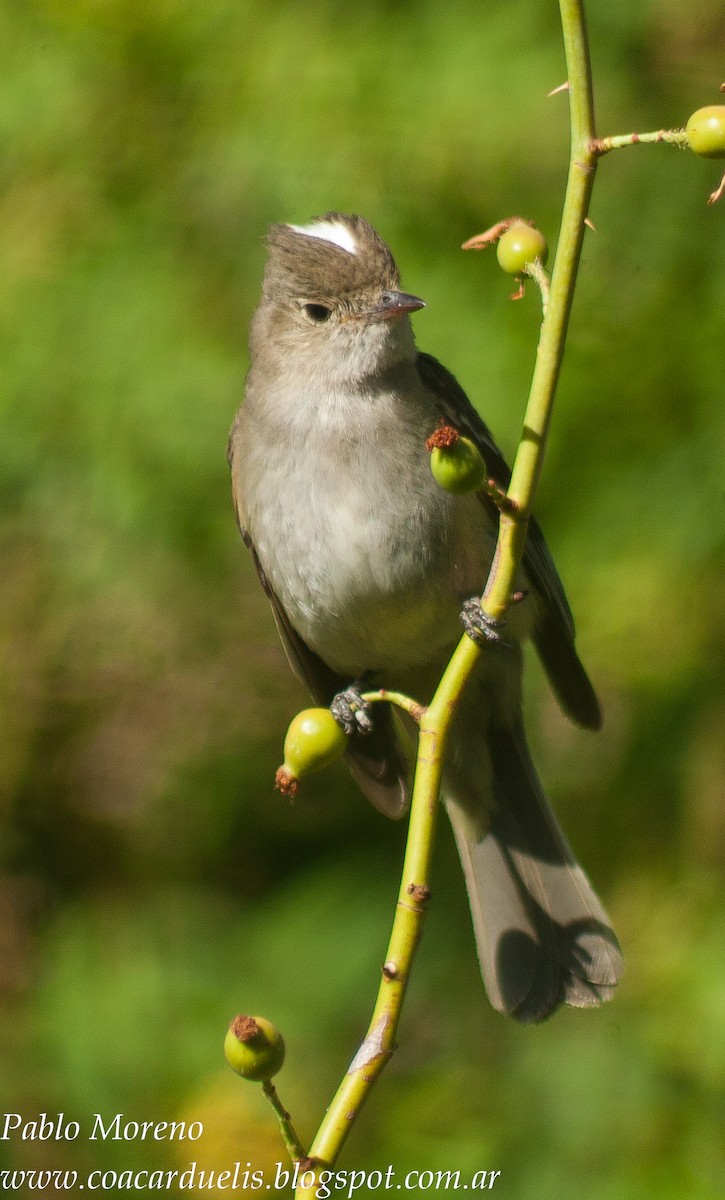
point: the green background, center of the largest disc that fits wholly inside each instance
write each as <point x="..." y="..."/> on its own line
<point x="152" y="883"/>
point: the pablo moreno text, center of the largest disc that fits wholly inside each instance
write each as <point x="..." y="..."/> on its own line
<point x="118" y="1128"/>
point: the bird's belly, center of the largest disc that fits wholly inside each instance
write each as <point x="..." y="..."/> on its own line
<point x="374" y="586"/>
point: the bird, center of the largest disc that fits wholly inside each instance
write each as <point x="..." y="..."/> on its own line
<point x="368" y="563"/>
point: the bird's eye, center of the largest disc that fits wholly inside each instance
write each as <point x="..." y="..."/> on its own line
<point x="319" y="313"/>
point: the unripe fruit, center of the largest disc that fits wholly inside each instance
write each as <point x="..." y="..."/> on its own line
<point x="706" y="131"/>
<point x="254" y="1048"/>
<point x="458" y="468"/>
<point x="520" y="245"/>
<point x="314" y="740"/>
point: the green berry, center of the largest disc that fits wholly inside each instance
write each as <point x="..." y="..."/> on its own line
<point x="314" y="740"/>
<point x="254" y="1048"/>
<point x="520" y="245"/>
<point x="706" y="131"/>
<point x="459" y="467"/>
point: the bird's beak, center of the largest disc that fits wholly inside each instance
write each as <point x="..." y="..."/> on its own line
<point x="393" y="304"/>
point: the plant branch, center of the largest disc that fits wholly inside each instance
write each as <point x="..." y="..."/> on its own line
<point x="538" y="273"/>
<point x="412" y="707"/>
<point x="379" y="1042"/>
<point x="669" y="137"/>
<point x="550" y="352"/>
<point x="435" y="721"/>
<point x="293" y="1145"/>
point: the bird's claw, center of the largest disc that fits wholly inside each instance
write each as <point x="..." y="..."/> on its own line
<point x="480" y="627"/>
<point x="351" y="712"/>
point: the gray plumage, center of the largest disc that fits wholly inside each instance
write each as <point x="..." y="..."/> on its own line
<point x="366" y="562"/>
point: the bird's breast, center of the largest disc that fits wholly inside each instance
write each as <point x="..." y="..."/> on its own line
<point x="369" y="557"/>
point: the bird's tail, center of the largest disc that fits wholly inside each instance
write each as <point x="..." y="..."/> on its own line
<point x="542" y="935"/>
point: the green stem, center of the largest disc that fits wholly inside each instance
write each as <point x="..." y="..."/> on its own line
<point x="412" y="707"/>
<point x="379" y="1042"/>
<point x="293" y="1145"/>
<point x="435" y="721"/>
<point x="670" y="137"/>
<point x="536" y="271"/>
<point x="550" y="352"/>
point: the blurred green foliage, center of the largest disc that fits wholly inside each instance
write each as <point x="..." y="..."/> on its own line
<point x="152" y="885"/>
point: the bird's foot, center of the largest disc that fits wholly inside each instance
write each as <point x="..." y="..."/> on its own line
<point x="481" y="628"/>
<point x="354" y="714"/>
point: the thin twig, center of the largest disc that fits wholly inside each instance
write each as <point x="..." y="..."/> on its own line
<point x="537" y="271"/>
<point x="666" y="137"/>
<point x="412" y="707"/>
<point x="293" y="1145"/>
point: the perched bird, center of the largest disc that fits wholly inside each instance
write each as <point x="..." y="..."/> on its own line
<point x="367" y="563"/>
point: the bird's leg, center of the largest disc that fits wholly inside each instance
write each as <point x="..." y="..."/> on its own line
<point x="354" y="714"/>
<point x="481" y="628"/>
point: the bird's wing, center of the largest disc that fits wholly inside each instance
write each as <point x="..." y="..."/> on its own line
<point x="554" y="633"/>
